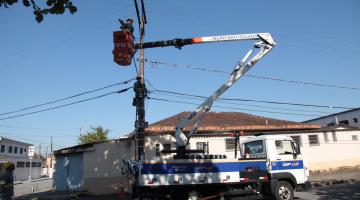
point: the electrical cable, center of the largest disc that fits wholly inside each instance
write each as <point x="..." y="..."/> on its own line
<point x="164" y="63"/>
<point x="240" y="104"/>
<point x="233" y="108"/>
<point x="258" y="101"/>
<point x="68" y="104"/>
<point x="70" y="97"/>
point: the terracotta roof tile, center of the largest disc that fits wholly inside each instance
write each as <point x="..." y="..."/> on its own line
<point x="229" y="121"/>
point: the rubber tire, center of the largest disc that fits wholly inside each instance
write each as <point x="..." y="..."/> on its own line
<point x="288" y="187"/>
<point x="193" y="195"/>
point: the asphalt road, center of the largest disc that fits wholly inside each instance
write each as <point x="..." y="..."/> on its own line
<point x="348" y="190"/>
<point x="338" y="191"/>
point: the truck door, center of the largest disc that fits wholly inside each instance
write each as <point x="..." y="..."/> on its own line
<point x="288" y="160"/>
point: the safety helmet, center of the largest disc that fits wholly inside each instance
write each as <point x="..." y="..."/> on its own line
<point x="9" y="166"/>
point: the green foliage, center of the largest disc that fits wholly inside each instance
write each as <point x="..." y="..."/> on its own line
<point x="56" y="7"/>
<point x="96" y="134"/>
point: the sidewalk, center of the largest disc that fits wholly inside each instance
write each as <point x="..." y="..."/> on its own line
<point x="33" y="180"/>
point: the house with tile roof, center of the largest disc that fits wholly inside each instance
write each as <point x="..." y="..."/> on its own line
<point x="78" y="167"/>
<point x="324" y="148"/>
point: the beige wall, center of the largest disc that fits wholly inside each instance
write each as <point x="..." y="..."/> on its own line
<point x="343" y="152"/>
<point x="332" y="154"/>
<point x="102" y="167"/>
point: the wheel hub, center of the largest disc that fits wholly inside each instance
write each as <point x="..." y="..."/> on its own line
<point x="284" y="193"/>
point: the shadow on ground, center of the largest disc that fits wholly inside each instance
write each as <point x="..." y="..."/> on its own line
<point x="67" y="196"/>
<point x="339" y="191"/>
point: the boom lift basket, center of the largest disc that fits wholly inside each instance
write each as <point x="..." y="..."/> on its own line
<point x="124" y="47"/>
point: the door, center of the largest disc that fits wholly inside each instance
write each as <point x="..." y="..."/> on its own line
<point x="288" y="160"/>
<point x="68" y="174"/>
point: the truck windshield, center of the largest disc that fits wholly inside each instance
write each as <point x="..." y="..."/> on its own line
<point x="255" y="149"/>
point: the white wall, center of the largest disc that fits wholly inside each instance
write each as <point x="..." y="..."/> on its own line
<point x="22" y="174"/>
<point x="332" y="154"/>
<point x="102" y="167"/>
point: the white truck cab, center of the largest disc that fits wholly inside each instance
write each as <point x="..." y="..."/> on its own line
<point x="285" y="163"/>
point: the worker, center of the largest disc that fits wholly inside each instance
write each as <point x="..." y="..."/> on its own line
<point x="127" y="26"/>
<point x="7" y="181"/>
<point x="247" y="152"/>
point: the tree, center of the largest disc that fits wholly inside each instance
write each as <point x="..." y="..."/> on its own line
<point x="56" y="7"/>
<point x="96" y="134"/>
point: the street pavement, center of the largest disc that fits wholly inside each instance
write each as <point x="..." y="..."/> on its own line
<point x="349" y="190"/>
<point x="41" y="189"/>
<point x="36" y="186"/>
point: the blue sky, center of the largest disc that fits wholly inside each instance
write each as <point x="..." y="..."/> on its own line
<point x="67" y="54"/>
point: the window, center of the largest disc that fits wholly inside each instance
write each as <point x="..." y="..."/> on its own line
<point x="354" y="138"/>
<point x="10" y="148"/>
<point x="331" y="124"/>
<point x="355" y="120"/>
<point x="202" y="146"/>
<point x="25" y="150"/>
<point x="35" y="164"/>
<point x="346" y="122"/>
<point x="314" y="140"/>
<point x="21" y="150"/>
<point x="334" y="136"/>
<point x="2" y="149"/>
<point x="15" y="149"/>
<point x="167" y="146"/>
<point x="297" y="140"/>
<point x="255" y="149"/>
<point x="157" y="150"/>
<point x="230" y="144"/>
<point x="326" y="137"/>
<point x="20" y="164"/>
<point x="283" y="147"/>
<point x="27" y="164"/>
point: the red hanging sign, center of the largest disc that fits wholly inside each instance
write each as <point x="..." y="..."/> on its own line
<point x="124" y="47"/>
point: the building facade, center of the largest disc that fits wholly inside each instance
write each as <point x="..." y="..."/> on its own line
<point x="17" y="153"/>
<point x="94" y="167"/>
<point x="323" y="148"/>
<point x="349" y="117"/>
<point x="97" y="167"/>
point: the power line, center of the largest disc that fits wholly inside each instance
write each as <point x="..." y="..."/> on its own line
<point x="241" y="104"/>
<point x="157" y="62"/>
<point x="233" y="108"/>
<point x="36" y="128"/>
<point x="64" y="105"/>
<point x="66" y="98"/>
<point x="258" y="101"/>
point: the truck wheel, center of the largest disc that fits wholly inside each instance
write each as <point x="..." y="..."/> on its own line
<point x="284" y="191"/>
<point x="193" y="195"/>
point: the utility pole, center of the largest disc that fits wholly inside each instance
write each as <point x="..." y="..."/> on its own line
<point x="40" y="150"/>
<point x="140" y="91"/>
<point x="51" y="150"/>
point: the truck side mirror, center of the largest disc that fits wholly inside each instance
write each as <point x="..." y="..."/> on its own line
<point x="296" y="149"/>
